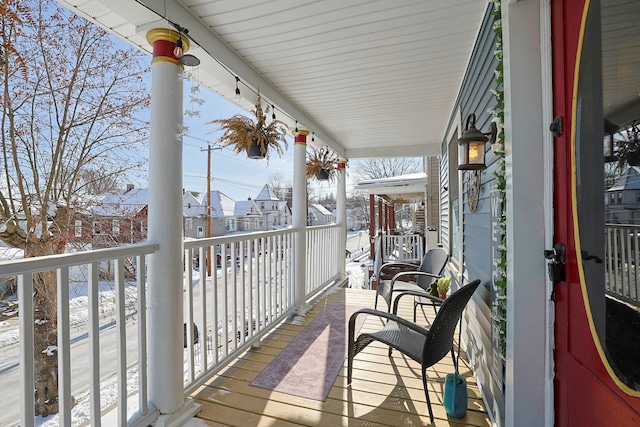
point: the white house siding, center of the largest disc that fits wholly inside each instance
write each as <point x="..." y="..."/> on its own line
<point x="478" y="245"/>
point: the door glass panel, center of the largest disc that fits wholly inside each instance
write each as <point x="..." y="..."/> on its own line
<point x="607" y="154"/>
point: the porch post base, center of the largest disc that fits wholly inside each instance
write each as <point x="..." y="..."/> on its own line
<point x="301" y="312"/>
<point x="181" y="416"/>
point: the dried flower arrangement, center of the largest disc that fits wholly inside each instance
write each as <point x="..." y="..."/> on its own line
<point x="322" y="164"/>
<point x="255" y="137"/>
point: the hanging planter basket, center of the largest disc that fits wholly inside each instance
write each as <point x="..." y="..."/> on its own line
<point x="254" y="151"/>
<point x="255" y="137"/>
<point x="633" y="158"/>
<point x="322" y="164"/>
<point x="323" y="175"/>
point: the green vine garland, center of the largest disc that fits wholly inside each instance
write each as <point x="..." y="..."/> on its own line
<point x="499" y="307"/>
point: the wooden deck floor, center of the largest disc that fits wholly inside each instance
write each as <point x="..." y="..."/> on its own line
<point x="382" y="393"/>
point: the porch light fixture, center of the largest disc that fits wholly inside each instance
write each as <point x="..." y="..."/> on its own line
<point x="471" y="154"/>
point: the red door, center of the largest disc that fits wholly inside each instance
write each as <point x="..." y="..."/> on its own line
<point x="590" y="50"/>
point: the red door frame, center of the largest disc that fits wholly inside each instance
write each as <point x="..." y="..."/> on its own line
<point x="586" y="394"/>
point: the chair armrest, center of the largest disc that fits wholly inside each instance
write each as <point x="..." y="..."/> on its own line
<point x="397" y="265"/>
<point x="412" y="273"/>
<point x="434" y="299"/>
<point x="389" y="316"/>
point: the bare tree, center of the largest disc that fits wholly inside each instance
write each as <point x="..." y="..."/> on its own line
<point x="70" y="97"/>
<point x="375" y="168"/>
<point x="278" y="185"/>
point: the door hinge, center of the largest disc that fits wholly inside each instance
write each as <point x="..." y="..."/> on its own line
<point x="556" y="127"/>
<point x="556" y="262"/>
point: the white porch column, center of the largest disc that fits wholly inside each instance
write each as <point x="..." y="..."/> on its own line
<point x="341" y="215"/>
<point x="299" y="220"/>
<point x="164" y="287"/>
<point x="529" y="172"/>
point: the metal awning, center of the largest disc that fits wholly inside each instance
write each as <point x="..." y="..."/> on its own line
<point x="410" y="188"/>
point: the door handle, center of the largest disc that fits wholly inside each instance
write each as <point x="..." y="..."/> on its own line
<point x="586" y="256"/>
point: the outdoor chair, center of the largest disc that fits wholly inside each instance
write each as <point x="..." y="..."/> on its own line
<point x="430" y="268"/>
<point x="426" y="346"/>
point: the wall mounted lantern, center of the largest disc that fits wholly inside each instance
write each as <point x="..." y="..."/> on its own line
<point x="471" y="152"/>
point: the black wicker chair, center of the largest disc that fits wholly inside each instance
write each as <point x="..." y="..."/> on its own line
<point x="425" y="346"/>
<point x="430" y="268"/>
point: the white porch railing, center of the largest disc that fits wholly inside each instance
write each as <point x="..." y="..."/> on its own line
<point x="125" y="295"/>
<point x="402" y="247"/>
<point x="622" y="262"/>
<point x="250" y="290"/>
<point x="322" y="254"/>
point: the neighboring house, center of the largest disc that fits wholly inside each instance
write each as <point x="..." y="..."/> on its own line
<point x="622" y="199"/>
<point x="195" y="215"/>
<point x="356" y="220"/>
<point x="276" y="212"/>
<point x="319" y="215"/>
<point x="248" y="216"/>
<point x="222" y="214"/>
<point x="119" y="218"/>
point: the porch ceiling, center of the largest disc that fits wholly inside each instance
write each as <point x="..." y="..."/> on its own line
<point x="371" y="78"/>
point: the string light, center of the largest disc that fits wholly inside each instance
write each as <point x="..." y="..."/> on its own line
<point x="296" y="129"/>
<point x="237" y="88"/>
<point x="178" y="51"/>
<point x="313" y="136"/>
<point x="273" y="112"/>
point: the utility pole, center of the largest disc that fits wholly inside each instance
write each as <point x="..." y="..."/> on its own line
<point x="209" y="149"/>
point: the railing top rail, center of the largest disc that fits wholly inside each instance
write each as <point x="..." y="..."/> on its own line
<point x="629" y="226"/>
<point x="196" y="243"/>
<point x="52" y="262"/>
<point x="318" y="227"/>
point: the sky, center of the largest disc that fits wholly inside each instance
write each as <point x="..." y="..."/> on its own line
<point x="234" y="175"/>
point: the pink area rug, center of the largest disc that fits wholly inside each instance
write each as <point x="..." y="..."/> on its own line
<point x="309" y="365"/>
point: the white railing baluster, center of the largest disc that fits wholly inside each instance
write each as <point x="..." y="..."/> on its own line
<point x="141" y="308"/>
<point x="121" y="341"/>
<point x="64" y="348"/>
<point x="188" y="328"/>
<point x="94" y="344"/>
<point x="204" y="335"/>
<point x="25" y="301"/>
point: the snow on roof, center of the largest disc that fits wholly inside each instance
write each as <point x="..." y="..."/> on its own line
<point x="629" y="181"/>
<point x="266" y="194"/>
<point x="191" y="206"/>
<point x="122" y="204"/>
<point x="410" y="178"/>
<point x="321" y="209"/>
<point x="243" y="207"/>
<point x="221" y="204"/>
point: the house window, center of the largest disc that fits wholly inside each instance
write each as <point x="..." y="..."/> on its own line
<point x="637" y="196"/>
<point x="619" y="195"/>
<point x="189" y="223"/>
<point x="612" y="198"/>
<point x="115" y="227"/>
<point x="78" y="228"/>
<point x="261" y="205"/>
<point x="96" y="227"/>
<point x="200" y="231"/>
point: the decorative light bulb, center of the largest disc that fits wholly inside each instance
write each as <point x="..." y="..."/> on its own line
<point x="237" y="88"/>
<point x="178" y="51"/>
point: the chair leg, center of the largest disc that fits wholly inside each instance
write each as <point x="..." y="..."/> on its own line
<point x="426" y="392"/>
